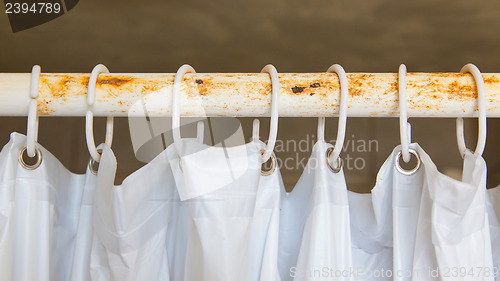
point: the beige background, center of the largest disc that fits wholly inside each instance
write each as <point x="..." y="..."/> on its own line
<point x="243" y="36"/>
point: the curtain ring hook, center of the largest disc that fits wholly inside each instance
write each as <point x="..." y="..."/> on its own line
<point x="337" y="167"/>
<point x="255" y="137"/>
<point x="321" y="129"/>
<point x="176" y="88"/>
<point x="333" y="155"/>
<point x="481" y="104"/>
<point x="200" y="131"/>
<point x="255" y="130"/>
<point x="89" y="116"/>
<point x="404" y="126"/>
<point x="273" y="130"/>
<point x="32" y="129"/>
<point x="270" y="170"/>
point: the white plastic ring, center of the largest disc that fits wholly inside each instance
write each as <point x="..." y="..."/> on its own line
<point x="255" y="129"/>
<point x="89" y="117"/>
<point x="273" y="130"/>
<point x="255" y="137"/>
<point x="32" y="129"/>
<point x="344" y="90"/>
<point x="94" y="165"/>
<point x="200" y="131"/>
<point x="186" y="68"/>
<point x="481" y="104"/>
<point x="321" y="129"/>
<point x="403" y="115"/>
<point x="35" y="81"/>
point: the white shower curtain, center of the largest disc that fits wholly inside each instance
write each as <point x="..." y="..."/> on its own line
<point x="208" y="214"/>
<point x="225" y="229"/>
<point x="453" y="236"/>
<point x="45" y="218"/>
<point x="315" y="239"/>
<point x="493" y="209"/>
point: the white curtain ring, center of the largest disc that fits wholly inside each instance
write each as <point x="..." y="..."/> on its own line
<point x="35" y="81"/>
<point x="200" y="131"/>
<point x="273" y="130"/>
<point x="98" y="69"/>
<point x="403" y="115"/>
<point x="32" y="129"/>
<point x="321" y="129"/>
<point x="344" y="91"/>
<point x="481" y="104"/>
<point x="176" y="88"/>
<point x="255" y="130"/>
<point x="89" y="117"/>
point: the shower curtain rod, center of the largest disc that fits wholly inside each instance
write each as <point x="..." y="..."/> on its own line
<point x="249" y="94"/>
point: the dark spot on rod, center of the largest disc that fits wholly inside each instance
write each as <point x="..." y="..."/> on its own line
<point x="115" y="81"/>
<point x="312" y="94"/>
<point x="315" y="85"/>
<point x="199" y="81"/>
<point x="297" y="90"/>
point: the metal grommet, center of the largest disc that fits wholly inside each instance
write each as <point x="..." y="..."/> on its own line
<point x="403" y="171"/>
<point x="340" y="163"/>
<point x="269" y="171"/>
<point x="94" y="165"/>
<point x="38" y="155"/>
